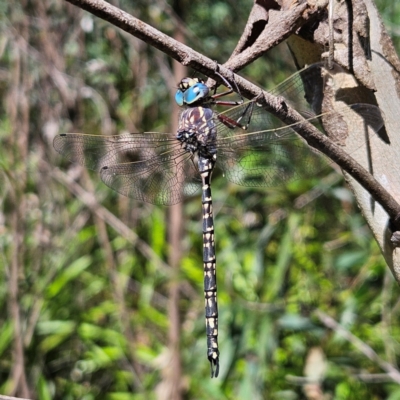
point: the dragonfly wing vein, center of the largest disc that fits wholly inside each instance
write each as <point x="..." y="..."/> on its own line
<point x="151" y="167"/>
<point x="95" y="152"/>
<point x="163" y="180"/>
<point x="269" y="157"/>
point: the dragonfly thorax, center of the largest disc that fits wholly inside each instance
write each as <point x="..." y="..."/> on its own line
<point x="197" y="131"/>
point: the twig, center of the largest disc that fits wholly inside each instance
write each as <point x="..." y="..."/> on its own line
<point x="18" y="111"/>
<point x="374" y="378"/>
<point x="359" y="344"/>
<point x="285" y="23"/>
<point x="367" y="378"/>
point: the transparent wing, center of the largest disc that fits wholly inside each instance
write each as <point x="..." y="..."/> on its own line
<point x="303" y="90"/>
<point x="268" y="152"/>
<point x="150" y="167"/>
<point x="165" y="179"/>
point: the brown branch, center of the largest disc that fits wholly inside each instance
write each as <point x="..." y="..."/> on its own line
<point x="368" y="378"/>
<point x="183" y="54"/>
<point x="374" y="378"/>
<point x="18" y="108"/>
<point x="256" y="42"/>
<point x="275" y="105"/>
<point x="256" y="23"/>
<point x="19" y="384"/>
<point x="187" y="56"/>
<point x="359" y="344"/>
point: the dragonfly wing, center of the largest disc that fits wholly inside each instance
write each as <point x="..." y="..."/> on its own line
<point x="95" y="151"/>
<point x="151" y="166"/>
<point x="269" y="153"/>
<point x="303" y="90"/>
<point x="162" y="180"/>
<point x="273" y="164"/>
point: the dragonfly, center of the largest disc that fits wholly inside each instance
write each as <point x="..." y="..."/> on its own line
<point x="251" y="147"/>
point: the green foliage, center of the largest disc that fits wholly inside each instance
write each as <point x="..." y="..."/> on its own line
<point x="390" y="13"/>
<point x="90" y="306"/>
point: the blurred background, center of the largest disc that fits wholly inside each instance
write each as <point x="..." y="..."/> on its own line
<point x="95" y="301"/>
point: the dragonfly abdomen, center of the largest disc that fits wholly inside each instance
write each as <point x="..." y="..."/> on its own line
<point x="206" y="166"/>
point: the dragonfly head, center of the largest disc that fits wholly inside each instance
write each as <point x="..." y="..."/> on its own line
<point x="191" y="91"/>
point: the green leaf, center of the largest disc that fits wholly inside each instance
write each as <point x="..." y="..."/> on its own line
<point x="68" y="274"/>
<point x="6" y="335"/>
<point x="43" y="389"/>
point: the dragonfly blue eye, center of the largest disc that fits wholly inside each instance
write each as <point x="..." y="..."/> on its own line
<point x="197" y="92"/>
<point x="192" y="94"/>
<point x="179" y="98"/>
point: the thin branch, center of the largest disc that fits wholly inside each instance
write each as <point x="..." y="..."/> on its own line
<point x="359" y="344"/>
<point x="285" y="23"/>
<point x="184" y="54"/>
<point x="18" y="109"/>
<point x="272" y="104"/>
<point x="374" y="378"/>
<point x="368" y="378"/>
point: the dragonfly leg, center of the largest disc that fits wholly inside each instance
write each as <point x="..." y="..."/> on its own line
<point x="236" y="123"/>
<point x="229" y="91"/>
